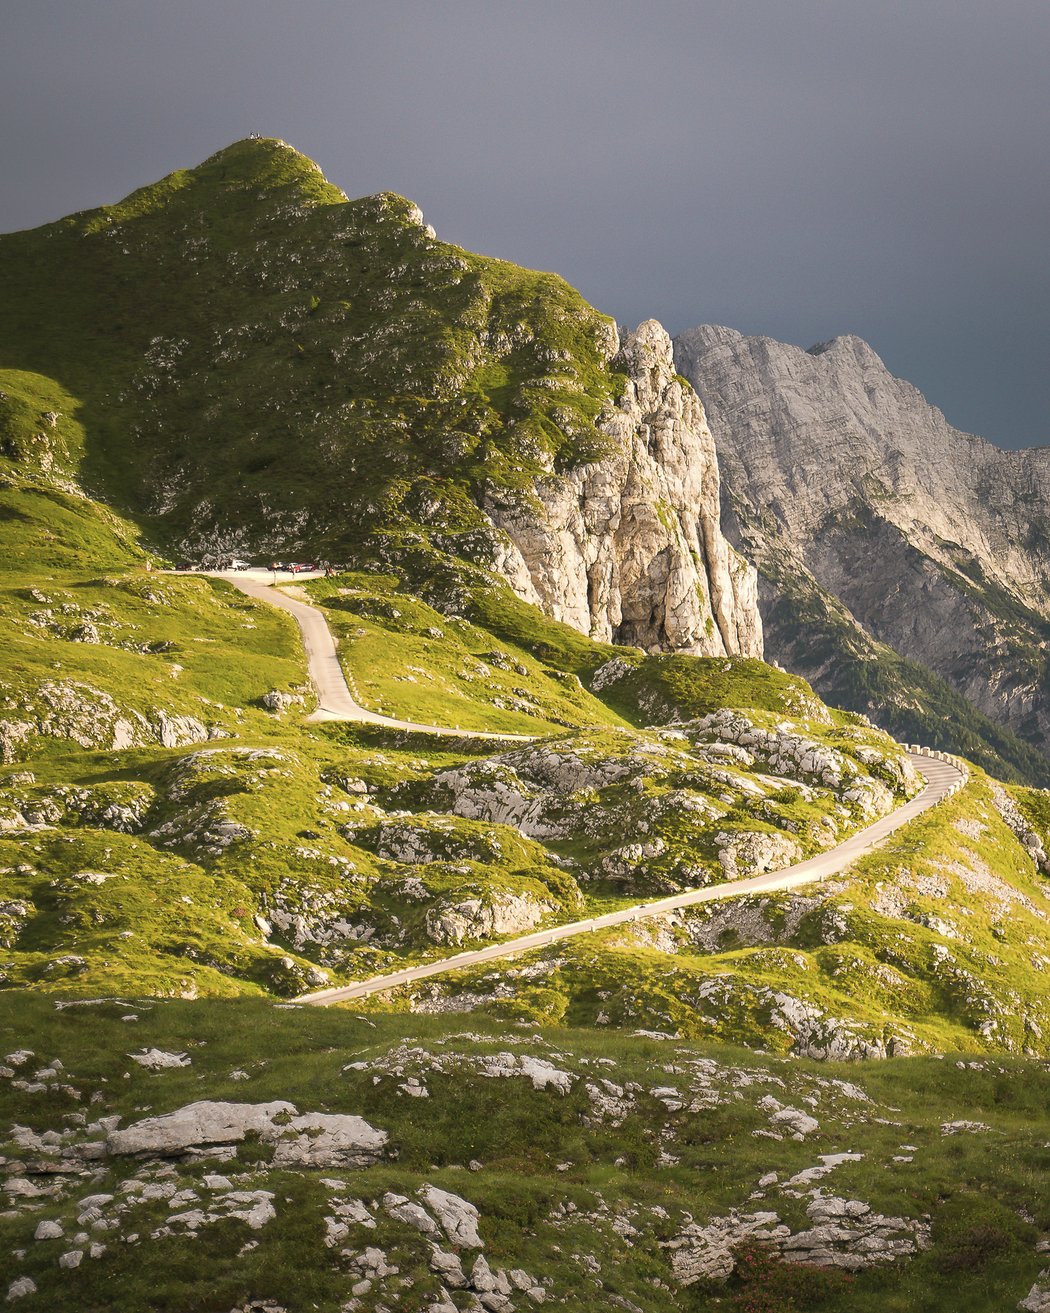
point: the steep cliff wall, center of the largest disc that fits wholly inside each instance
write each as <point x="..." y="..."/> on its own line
<point x="629" y="547"/>
<point x="936" y="541"/>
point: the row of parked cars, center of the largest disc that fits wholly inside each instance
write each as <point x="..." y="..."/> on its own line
<point x="295" y="567"/>
<point x="235" y="563"/>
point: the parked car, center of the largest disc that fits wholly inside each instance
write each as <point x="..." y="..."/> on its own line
<point x="237" y="564"/>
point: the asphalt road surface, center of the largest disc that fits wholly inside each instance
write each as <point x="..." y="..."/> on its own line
<point x="334" y="699"/>
<point x="943" y="778"/>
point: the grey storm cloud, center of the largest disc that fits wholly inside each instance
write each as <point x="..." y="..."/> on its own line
<point x="786" y="167"/>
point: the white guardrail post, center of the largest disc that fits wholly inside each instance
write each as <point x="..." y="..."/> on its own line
<point x="935" y="754"/>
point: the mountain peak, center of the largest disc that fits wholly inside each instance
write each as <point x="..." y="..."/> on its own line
<point x="266" y="162"/>
<point x="847" y="344"/>
<point x="259" y="157"/>
<point x="253" y="165"/>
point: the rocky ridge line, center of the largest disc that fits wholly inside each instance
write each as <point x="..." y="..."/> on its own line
<point x="629" y="547"/>
<point x="936" y="541"/>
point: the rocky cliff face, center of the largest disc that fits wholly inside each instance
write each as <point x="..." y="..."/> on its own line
<point x="629" y="548"/>
<point x="375" y="390"/>
<point x="936" y="541"/>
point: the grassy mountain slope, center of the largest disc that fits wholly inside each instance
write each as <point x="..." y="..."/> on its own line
<point x="939" y="941"/>
<point x="162" y="831"/>
<point x="180" y="845"/>
<point x="222" y="848"/>
<point x="605" y="1169"/>
<point x="260" y="363"/>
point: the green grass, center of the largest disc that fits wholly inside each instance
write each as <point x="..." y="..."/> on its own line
<point x="106" y="658"/>
<point x="408" y="660"/>
<point x="682" y="687"/>
<point x="938" y="941"/>
<point x="984" y="1192"/>
<point x="333" y="344"/>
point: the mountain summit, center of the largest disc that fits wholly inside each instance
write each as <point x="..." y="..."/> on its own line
<point x="267" y="368"/>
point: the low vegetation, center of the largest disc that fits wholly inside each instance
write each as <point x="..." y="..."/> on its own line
<point x="184" y="850"/>
<point x="603" y="1167"/>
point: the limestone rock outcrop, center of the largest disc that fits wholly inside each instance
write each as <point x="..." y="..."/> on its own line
<point x="310" y="1139"/>
<point x="937" y="542"/>
<point x="478" y="918"/>
<point x="629" y="548"/>
<point x="844" y="1233"/>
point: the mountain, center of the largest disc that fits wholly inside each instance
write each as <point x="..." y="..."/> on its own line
<point x="890" y="532"/>
<point x="265" y="368"/>
<point x="523" y="501"/>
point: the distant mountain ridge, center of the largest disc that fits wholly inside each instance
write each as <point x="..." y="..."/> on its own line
<point x="842" y="477"/>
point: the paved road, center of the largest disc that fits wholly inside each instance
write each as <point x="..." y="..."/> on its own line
<point x="336" y="702"/>
<point x="334" y="699"/>
<point x="943" y="778"/>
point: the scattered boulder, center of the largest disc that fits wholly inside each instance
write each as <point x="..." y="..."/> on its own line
<point x="544" y="1075"/>
<point x="1036" y="1301"/>
<point x="845" y="1233"/>
<point x="402" y="1209"/>
<point x="1024" y="832"/>
<point x="310" y="1139"/>
<point x="457" y="1216"/>
<point x="158" y="1060"/>
<point x="279" y="702"/>
<point x="448" y="1268"/>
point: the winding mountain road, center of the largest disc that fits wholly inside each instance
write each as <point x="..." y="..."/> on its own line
<point x="943" y="778"/>
<point x="943" y="774"/>
<point x="334" y="699"/>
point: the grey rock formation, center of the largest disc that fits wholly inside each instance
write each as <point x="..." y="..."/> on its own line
<point x="748" y="852"/>
<point x="844" y="1233"/>
<point x="629" y="548"/>
<point x="1024" y="832"/>
<point x="458" y="1217"/>
<point x="1038" y="1298"/>
<point x="159" y="1059"/>
<point x="307" y="1139"/>
<point x="90" y="717"/>
<point x="937" y="542"/>
<point x="476" y="918"/>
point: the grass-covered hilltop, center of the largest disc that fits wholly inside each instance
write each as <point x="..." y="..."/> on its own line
<point x="259" y="362"/>
<point x="829" y="1098"/>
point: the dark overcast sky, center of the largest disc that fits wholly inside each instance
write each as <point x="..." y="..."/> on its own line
<point x="787" y="167"/>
